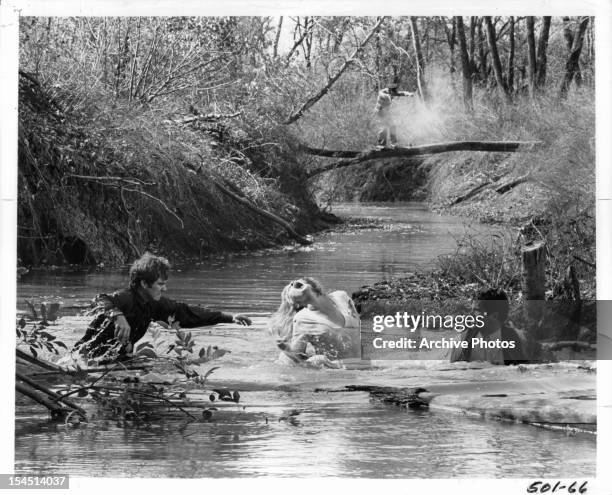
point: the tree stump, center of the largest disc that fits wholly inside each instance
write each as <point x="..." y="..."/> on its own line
<point x="534" y="283"/>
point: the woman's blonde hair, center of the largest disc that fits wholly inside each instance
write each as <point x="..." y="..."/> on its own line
<point x="281" y="322"/>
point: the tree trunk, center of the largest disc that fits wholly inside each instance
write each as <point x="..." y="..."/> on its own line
<point x="482" y="54"/>
<point x="572" y="67"/>
<point x="308" y="28"/>
<point x="541" y="54"/>
<point x="531" y="55"/>
<point x="511" y="57"/>
<point x="277" y="37"/>
<point x="534" y="283"/>
<point x="567" y="33"/>
<point x="473" y="20"/>
<point x="466" y="66"/>
<point x="497" y="67"/>
<point x="416" y="43"/>
<point x="451" y="39"/>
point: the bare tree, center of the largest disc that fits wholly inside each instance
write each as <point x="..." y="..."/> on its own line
<point x="571" y="66"/>
<point x="497" y="67"/>
<point x="277" y="37"/>
<point x="541" y="53"/>
<point x="473" y="21"/>
<point x="416" y="43"/>
<point x="567" y="33"/>
<point x="300" y="36"/>
<point x="482" y="52"/>
<point x="511" y="57"/>
<point x="531" y="55"/>
<point x="466" y="66"/>
<point x="451" y="38"/>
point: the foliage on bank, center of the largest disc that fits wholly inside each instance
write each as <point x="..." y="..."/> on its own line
<point x="126" y="148"/>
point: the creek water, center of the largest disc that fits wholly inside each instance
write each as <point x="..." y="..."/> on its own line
<point x="283" y="426"/>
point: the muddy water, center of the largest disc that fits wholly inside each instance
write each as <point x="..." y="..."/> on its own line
<point x="282" y="426"/>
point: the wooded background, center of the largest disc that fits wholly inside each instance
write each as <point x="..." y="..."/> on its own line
<point x="146" y="123"/>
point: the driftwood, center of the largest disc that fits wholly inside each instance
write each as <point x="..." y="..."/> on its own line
<point x="57" y="411"/>
<point x="39" y="362"/>
<point x="236" y="194"/>
<point x="355" y="157"/>
<point x="511" y="184"/>
<point x="471" y="193"/>
<point x="412" y="398"/>
<point x="99" y="369"/>
<point x="271" y="216"/>
<point x="54" y="396"/>
<point x="53" y="369"/>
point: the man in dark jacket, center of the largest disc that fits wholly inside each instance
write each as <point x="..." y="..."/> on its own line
<point x="123" y="317"/>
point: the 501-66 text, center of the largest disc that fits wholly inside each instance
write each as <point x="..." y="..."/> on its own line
<point x="546" y="487"/>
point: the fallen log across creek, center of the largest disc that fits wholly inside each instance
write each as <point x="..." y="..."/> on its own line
<point x="355" y="157"/>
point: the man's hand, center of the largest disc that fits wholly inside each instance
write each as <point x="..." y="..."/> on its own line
<point x="242" y="320"/>
<point x="122" y="329"/>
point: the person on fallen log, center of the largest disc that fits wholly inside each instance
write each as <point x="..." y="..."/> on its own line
<point x="315" y="328"/>
<point x="387" y="136"/>
<point x="494" y="305"/>
<point x="122" y="318"/>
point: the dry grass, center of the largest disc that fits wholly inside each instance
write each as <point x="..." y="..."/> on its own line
<point x="165" y="198"/>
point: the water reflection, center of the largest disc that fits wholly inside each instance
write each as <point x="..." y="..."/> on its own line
<point x="340" y="434"/>
<point x="334" y="435"/>
<point x="341" y="260"/>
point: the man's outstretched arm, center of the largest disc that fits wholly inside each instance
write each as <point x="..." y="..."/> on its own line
<point x="194" y="316"/>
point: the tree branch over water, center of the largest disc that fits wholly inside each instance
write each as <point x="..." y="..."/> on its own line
<point x="355" y="157"/>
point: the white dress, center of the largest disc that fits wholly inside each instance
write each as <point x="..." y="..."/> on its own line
<point x="314" y="330"/>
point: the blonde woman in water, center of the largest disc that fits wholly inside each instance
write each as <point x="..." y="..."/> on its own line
<point x="313" y="327"/>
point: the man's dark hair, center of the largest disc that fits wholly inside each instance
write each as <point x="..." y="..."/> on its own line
<point x="148" y="268"/>
<point x="494" y="302"/>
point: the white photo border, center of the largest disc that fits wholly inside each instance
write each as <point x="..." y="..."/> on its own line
<point x="9" y="14"/>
